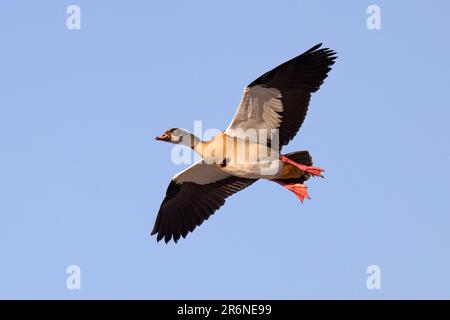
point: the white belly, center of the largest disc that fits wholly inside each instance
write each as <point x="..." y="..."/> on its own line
<point x="244" y="159"/>
<point x="254" y="170"/>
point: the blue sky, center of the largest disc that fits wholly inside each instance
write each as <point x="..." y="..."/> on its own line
<point x="81" y="178"/>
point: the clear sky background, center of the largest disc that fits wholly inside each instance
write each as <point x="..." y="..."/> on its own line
<point x="81" y="178"/>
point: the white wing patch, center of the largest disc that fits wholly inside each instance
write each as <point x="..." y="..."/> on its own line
<point x="200" y="173"/>
<point x="259" y="109"/>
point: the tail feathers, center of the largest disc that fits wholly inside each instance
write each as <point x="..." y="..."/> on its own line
<point x="302" y="157"/>
<point x="300" y="180"/>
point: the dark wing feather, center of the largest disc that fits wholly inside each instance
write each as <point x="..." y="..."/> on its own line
<point x="188" y="204"/>
<point x="297" y="79"/>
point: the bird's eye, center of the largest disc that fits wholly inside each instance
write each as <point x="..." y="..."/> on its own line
<point x="180" y="138"/>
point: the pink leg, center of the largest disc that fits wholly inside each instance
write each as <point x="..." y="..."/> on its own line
<point x="314" y="171"/>
<point x="300" y="190"/>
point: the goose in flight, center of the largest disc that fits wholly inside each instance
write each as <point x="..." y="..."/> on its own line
<point x="269" y="115"/>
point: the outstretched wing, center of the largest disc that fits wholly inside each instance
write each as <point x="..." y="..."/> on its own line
<point x="192" y="196"/>
<point x="279" y="99"/>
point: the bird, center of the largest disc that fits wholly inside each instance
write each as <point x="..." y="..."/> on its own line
<point x="271" y="112"/>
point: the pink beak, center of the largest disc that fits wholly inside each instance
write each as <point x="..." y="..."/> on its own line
<point x="163" y="137"/>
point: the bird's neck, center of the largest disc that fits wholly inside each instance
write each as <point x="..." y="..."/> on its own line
<point x="206" y="149"/>
<point x="202" y="148"/>
<point x="194" y="143"/>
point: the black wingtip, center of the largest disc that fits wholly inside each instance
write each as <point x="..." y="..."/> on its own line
<point x="317" y="46"/>
<point x="166" y="237"/>
<point x="330" y="52"/>
<point x="160" y="235"/>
